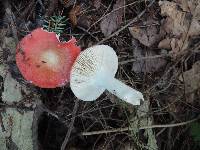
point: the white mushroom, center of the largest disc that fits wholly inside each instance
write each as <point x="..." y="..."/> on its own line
<point x="93" y="72"/>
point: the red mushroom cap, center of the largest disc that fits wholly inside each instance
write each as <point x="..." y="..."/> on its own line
<point x="45" y="61"/>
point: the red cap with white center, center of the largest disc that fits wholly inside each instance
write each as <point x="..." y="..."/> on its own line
<point x="45" y="61"/>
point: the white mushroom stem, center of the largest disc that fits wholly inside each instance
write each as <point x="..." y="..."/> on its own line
<point x="121" y="90"/>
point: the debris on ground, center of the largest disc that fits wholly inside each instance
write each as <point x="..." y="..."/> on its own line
<point x="181" y="24"/>
<point x="158" y="49"/>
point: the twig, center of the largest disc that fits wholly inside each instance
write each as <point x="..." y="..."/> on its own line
<point x="143" y="58"/>
<point x="128" y="24"/>
<point x="96" y="21"/>
<point x="105" y="15"/>
<point x="70" y="126"/>
<point x="166" y="74"/>
<point x="53" y="4"/>
<point x="87" y="32"/>
<point x="28" y="11"/>
<point x="140" y="128"/>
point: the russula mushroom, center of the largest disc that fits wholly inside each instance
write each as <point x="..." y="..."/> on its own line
<point x="45" y="61"/>
<point x="94" y="71"/>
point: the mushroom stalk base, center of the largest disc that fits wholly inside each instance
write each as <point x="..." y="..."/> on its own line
<point x="122" y="91"/>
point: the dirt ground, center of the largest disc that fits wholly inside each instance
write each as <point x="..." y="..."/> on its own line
<point x="158" y="48"/>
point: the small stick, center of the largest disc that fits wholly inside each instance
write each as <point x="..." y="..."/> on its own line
<point x="143" y="58"/>
<point x="140" y="128"/>
<point x="87" y="32"/>
<point x="128" y="24"/>
<point x="70" y="126"/>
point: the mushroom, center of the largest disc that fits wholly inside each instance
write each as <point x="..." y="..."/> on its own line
<point x="45" y="61"/>
<point x="94" y="71"/>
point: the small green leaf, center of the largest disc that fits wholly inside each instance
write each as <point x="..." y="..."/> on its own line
<point x="55" y="24"/>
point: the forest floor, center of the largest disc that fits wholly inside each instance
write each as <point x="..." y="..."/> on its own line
<point x="158" y="48"/>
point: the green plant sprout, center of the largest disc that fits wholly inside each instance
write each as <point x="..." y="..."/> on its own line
<point x="55" y="24"/>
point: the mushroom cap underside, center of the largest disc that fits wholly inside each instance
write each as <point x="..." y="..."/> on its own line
<point x="89" y="69"/>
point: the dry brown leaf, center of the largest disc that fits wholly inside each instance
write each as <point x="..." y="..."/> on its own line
<point x="148" y="34"/>
<point x="74" y="12"/>
<point x="111" y="22"/>
<point x="147" y="65"/>
<point x="84" y="21"/>
<point x="191" y="78"/>
<point x="187" y="5"/>
<point x="195" y="24"/>
<point x="166" y="43"/>
<point x="181" y="24"/>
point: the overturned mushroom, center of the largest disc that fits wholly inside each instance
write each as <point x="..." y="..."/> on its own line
<point x="94" y="71"/>
<point x="45" y="61"/>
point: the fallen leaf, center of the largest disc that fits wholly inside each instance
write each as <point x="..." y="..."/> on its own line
<point x="191" y="78"/>
<point x="111" y="22"/>
<point x="149" y="64"/>
<point x="181" y="24"/>
<point x="74" y="12"/>
<point x="166" y="43"/>
<point x="195" y="24"/>
<point x="148" y="34"/>
<point x="84" y="21"/>
<point x="187" y="5"/>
